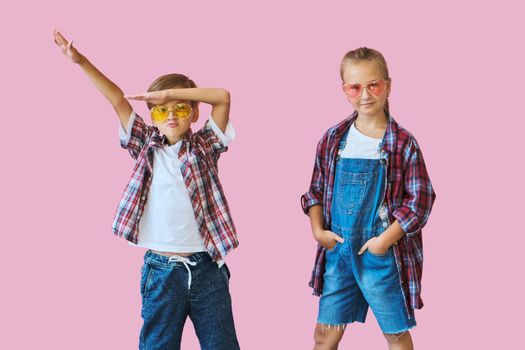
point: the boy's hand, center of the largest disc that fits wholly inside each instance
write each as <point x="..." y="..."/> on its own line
<point x="327" y="238"/>
<point x="67" y="47"/>
<point x="109" y="89"/>
<point x="155" y="97"/>
<point x="376" y="245"/>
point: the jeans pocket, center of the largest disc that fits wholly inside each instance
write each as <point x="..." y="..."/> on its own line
<point x="225" y="272"/>
<point x="333" y="249"/>
<point x="378" y="255"/>
<point x="145" y="278"/>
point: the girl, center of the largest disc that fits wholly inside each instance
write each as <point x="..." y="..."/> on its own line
<point x="369" y="198"/>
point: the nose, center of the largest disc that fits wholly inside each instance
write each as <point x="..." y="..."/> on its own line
<point x="170" y="115"/>
<point x="365" y="94"/>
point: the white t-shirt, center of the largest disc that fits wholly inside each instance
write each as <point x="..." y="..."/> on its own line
<point x="168" y="222"/>
<point x="358" y="145"/>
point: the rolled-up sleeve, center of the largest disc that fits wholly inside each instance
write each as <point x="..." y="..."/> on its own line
<point x="125" y="135"/>
<point x="213" y="139"/>
<point x="315" y="193"/>
<point x="419" y="195"/>
<point x="225" y="137"/>
<point x="134" y="137"/>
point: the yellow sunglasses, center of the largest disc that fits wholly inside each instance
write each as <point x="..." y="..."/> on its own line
<point x="180" y="111"/>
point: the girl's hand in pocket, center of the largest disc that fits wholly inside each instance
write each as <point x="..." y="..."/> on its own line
<point x="375" y="245"/>
<point x="327" y="238"/>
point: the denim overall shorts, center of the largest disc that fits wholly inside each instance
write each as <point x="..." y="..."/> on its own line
<point x="352" y="282"/>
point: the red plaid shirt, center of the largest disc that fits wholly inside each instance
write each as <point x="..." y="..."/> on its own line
<point x="409" y="197"/>
<point x="198" y="154"/>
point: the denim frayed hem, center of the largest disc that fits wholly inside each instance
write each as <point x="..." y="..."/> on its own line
<point x="398" y="335"/>
<point x="338" y="327"/>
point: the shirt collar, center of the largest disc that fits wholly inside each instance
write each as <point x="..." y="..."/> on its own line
<point x="389" y="140"/>
<point x="158" y="140"/>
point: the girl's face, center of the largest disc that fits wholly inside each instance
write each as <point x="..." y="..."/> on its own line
<point x="363" y="72"/>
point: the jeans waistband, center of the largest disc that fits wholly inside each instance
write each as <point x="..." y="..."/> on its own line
<point x="164" y="261"/>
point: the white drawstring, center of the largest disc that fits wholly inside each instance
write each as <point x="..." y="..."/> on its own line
<point x="185" y="262"/>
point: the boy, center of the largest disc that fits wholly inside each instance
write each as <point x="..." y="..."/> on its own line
<point x="175" y="207"/>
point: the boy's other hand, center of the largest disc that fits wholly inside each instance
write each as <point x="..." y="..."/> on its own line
<point x="154" y="97"/>
<point x="66" y="47"/>
<point x="327" y="238"/>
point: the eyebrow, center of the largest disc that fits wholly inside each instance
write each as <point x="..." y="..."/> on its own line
<point x="365" y="82"/>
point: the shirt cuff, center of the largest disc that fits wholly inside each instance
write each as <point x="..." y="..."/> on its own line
<point x="307" y="201"/>
<point x="122" y="133"/>
<point x="225" y="137"/>
<point x="407" y="220"/>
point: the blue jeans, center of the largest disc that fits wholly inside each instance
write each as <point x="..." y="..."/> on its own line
<point x="353" y="282"/>
<point x="173" y="290"/>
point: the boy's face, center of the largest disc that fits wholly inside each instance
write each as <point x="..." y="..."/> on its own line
<point x="173" y="128"/>
<point x="362" y="72"/>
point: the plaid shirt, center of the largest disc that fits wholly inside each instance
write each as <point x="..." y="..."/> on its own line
<point x="409" y="197"/>
<point x="198" y="154"/>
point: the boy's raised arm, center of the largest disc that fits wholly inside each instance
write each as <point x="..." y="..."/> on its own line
<point x="219" y="99"/>
<point x="110" y="90"/>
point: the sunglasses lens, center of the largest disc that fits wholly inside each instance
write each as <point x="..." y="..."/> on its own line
<point x="376" y="87"/>
<point x="182" y="110"/>
<point x="159" y="113"/>
<point x="352" y="90"/>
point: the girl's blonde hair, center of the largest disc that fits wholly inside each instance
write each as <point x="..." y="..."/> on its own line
<point x="367" y="54"/>
<point x="171" y="81"/>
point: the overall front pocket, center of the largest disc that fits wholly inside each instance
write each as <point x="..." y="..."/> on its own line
<point x="352" y="192"/>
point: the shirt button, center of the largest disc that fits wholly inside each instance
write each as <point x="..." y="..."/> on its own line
<point x="382" y="161"/>
<point x="143" y="197"/>
<point x="385" y="225"/>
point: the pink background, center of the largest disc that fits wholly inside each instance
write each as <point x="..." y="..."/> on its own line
<point x="457" y="70"/>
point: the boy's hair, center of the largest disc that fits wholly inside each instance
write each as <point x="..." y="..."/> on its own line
<point x="171" y="81"/>
<point x="365" y="53"/>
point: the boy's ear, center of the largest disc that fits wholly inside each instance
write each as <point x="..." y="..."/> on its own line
<point x="195" y="116"/>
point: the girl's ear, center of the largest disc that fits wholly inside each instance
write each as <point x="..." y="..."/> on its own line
<point x="389" y="86"/>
